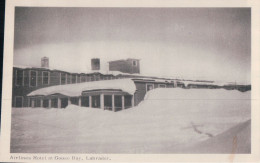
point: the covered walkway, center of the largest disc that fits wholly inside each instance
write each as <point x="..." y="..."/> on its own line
<point x="111" y="95"/>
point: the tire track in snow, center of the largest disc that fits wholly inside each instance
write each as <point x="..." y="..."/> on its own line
<point x="199" y="131"/>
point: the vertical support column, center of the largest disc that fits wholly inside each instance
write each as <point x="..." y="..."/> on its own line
<point x="113" y="102"/>
<point x="80" y="101"/>
<point x="175" y="84"/>
<point x="59" y="103"/>
<point x="28" y="102"/>
<point x="123" y="102"/>
<point x="69" y="102"/>
<point x="90" y="101"/>
<point x="49" y="103"/>
<point x="41" y="105"/>
<point x="102" y="101"/>
<point x="133" y="100"/>
<point x="33" y="103"/>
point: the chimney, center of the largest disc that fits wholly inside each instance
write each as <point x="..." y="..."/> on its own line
<point x="95" y="64"/>
<point x="45" y="62"/>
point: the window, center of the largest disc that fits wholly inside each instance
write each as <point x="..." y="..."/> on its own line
<point x="38" y="102"/>
<point x="78" y="78"/>
<point x="74" y="100"/>
<point x="118" y="102"/>
<point x="85" y="101"/>
<point x="96" y="101"/>
<point x="33" y="78"/>
<point x="62" y="78"/>
<point x="54" y="103"/>
<point x="26" y="77"/>
<point x="82" y="79"/>
<point x="31" y="102"/>
<point x="46" y="103"/>
<point x="19" y="78"/>
<point x="149" y="87"/>
<point x="18" y="101"/>
<point x="134" y="63"/>
<point x="108" y="102"/>
<point x="162" y="85"/>
<point x="68" y="78"/>
<point x="45" y="78"/>
<point x="73" y="78"/>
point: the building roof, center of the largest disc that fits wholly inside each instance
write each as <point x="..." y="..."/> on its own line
<point x="134" y="59"/>
<point x="126" y="85"/>
<point x="104" y="72"/>
<point x="160" y="77"/>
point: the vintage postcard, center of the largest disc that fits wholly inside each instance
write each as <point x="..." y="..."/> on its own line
<point x="131" y="82"/>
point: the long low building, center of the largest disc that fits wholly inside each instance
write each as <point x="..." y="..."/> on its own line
<point x="112" y="90"/>
<point x="111" y="95"/>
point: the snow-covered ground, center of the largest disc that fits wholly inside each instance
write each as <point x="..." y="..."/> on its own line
<point x="169" y="120"/>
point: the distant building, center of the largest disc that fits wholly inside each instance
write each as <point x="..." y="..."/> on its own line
<point x="131" y="66"/>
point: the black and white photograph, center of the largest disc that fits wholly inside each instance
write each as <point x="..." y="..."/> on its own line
<point x="131" y="80"/>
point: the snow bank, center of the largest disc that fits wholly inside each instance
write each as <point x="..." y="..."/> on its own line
<point x="186" y="83"/>
<point x="165" y="122"/>
<point x="196" y="94"/>
<point x="235" y="140"/>
<point x="215" y="109"/>
<point x="126" y="85"/>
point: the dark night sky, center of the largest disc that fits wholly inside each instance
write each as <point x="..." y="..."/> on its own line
<point x="201" y="43"/>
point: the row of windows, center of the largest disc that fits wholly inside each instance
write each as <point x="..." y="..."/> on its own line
<point x="22" y="80"/>
<point x="151" y="86"/>
<point x="65" y="78"/>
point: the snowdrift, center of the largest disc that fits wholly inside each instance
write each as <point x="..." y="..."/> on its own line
<point x="168" y="120"/>
<point x="126" y="85"/>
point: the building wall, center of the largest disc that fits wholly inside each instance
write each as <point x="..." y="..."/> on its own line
<point x="141" y="89"/>
<point x="54" y="78"/>
<point x="24" y="86"/>
<point x="125" y="66"/>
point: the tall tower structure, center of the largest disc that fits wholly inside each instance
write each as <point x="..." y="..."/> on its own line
<point x="95" y="64"/>
<point x="45" y="62"/>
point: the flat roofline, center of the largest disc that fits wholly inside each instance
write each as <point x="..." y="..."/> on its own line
<point x="124" y="60"/>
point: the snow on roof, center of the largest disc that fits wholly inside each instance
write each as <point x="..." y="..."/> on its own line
<point x="52" y="69"/>
<point x="218" y="83"/>
<point x="110" y="72"/>
<point x="203" y="83"/>
<point x="115" y="73"/>
<point x="126" y="85"/>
